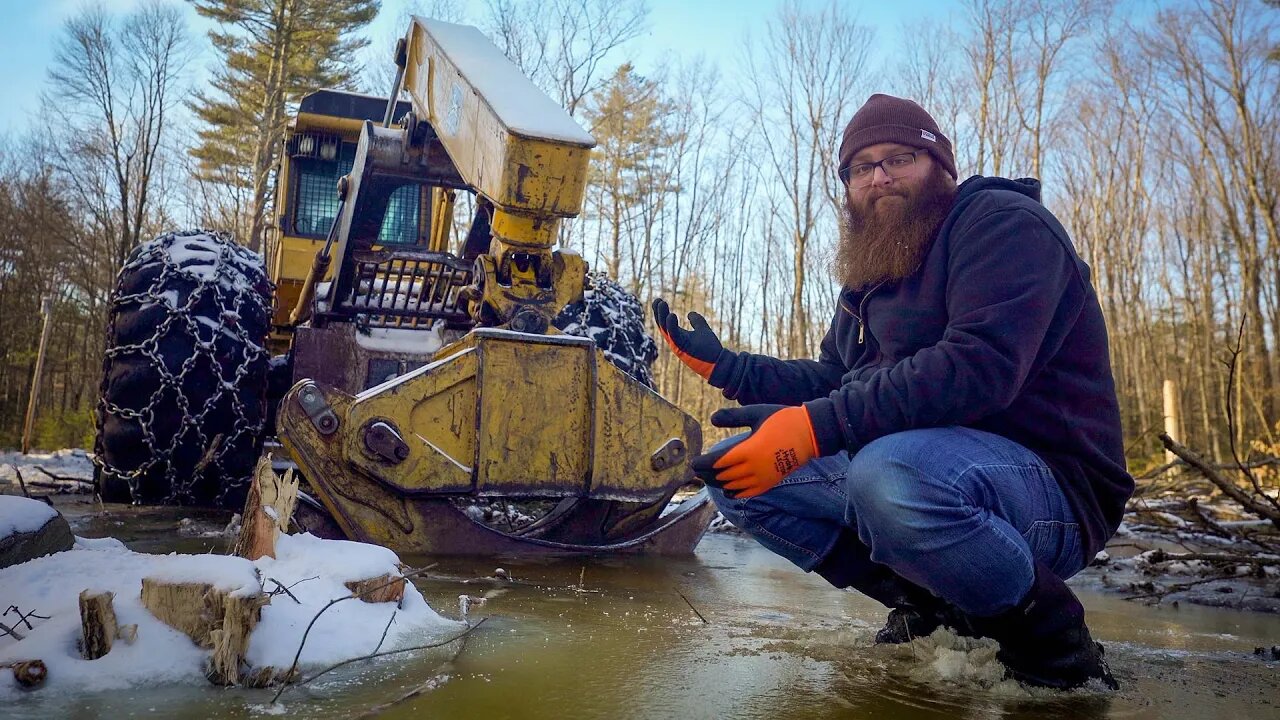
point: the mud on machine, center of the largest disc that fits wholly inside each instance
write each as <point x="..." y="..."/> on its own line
<point x="423" y="379"/>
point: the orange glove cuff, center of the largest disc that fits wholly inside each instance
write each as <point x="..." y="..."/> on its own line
<point x="702" y="367"/>
<point x="782" y="443"/>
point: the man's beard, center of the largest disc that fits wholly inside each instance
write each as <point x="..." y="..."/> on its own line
<point x="888" y="244"/>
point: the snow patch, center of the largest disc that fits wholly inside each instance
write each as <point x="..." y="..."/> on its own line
<point x="418" y="341"/>
<point x="73" y="468"/>
<point x="314" y="569"/>
<point x="518" y="103"/>
<point x="23" y="515"/>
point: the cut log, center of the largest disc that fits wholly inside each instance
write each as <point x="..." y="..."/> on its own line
<point x="384" y="588"/>
<point x="29" y="673"/>
<point x="97" y="624"/>
<point x="128" y="633"/>
<point x="213" y="618"/>
<point x="267" y="509"/>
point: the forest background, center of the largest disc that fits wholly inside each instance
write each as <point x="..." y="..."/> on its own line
<point x="1155" y="128"/>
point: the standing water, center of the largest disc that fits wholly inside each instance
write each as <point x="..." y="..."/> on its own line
<point x="731" y="632"/>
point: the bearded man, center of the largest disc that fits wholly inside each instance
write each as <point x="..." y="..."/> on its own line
<point x="955" y="451"/>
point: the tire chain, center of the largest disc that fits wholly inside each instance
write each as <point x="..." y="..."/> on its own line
<point x="241" y="287"/>
<point x="624" y="341"/>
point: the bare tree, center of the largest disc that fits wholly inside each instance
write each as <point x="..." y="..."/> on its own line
<point x="931" y="73"/>
<point x="799" y="91"/>
<point x="563" y="44"/>
<point x="1048" y="27"/>
<point x="116" y="83"/>
<point x="1224" y="93"/>
<point x="379" y="69"/>
<point x="989" y="53"/>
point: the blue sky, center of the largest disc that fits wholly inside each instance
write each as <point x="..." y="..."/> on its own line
<point x="715" y="28"/>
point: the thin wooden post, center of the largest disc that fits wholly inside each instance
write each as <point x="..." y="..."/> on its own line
<point x="1172" y="416"/>
<point x="46" y="307"/>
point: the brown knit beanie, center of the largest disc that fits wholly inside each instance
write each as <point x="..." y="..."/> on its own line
<point x="884" y="118"/>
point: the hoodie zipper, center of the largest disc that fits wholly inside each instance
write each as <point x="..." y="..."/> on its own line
<point x="862" y="313"/>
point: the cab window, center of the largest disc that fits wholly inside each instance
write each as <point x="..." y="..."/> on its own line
<point x="316" y="200"/>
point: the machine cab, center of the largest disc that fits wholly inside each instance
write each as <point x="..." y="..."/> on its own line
<point x="320" y="147"/>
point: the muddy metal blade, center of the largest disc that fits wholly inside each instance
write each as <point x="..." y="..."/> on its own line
<point x="509" y="416"/>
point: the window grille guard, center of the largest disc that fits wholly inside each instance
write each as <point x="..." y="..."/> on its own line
<point x="406" y="288"/>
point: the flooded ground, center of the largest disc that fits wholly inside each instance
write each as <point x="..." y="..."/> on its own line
<point x="730" y="632"/>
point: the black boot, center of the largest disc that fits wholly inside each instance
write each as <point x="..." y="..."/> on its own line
<point x="908" y="623"/>
<point x="1044" y="641"/>
<point x="915" y="612"/>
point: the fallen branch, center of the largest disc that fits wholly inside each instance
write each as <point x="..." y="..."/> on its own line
<point x="373" y="656"/>
<point x="1228" y="488"/>
<point x="63" y="478"/>
<point x="581" y="587"/>
<point x="46" y="486"/>
<point x="385" y="630"/>
<point x="280" y="588"/>
<point x="21" y="484"/>
<point x="1174" y="588"/>
<point x="6" y="630"/>
<point x="22" y="617"/>
<point x="1208" y="523"/>
<point x="691" y="607"/>
<point x="1180" y="463"/>
<point x="378" y="710"/>
<point x="1233" y="559"/>
<point x="293" y="667"/>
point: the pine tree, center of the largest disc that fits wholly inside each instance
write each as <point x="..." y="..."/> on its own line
<point x="629" y="174"/>
<point x="273" y="52"/>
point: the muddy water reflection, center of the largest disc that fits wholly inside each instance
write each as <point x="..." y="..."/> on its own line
<point x="781" y="644"/>
<point x="776" y="644"/>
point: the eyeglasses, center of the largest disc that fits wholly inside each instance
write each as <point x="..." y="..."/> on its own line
<point x="895" y="166"/>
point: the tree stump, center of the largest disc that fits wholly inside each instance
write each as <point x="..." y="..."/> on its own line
<point x="191" y="608"/>
<point x="267" y="509"/>
<point x="389" y="588"/>
<point x="240" y="615"/>
<point x="213" y="618"/>
<point x="97" y="624"/>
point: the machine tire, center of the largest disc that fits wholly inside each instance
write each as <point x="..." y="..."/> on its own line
<point x="182" y="408"/>
<point x="614" y="318"/>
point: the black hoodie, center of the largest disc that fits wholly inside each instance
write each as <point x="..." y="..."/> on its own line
<point x="998" y="330"/>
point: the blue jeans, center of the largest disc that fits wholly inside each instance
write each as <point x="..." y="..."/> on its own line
<point x="960" y="512"/>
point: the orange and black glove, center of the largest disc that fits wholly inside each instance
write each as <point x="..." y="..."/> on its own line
<point x="781" y="440"/>
<point x="698" y="348"/>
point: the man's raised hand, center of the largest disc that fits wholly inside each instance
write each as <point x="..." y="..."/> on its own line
<point x="698" y="348"/>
